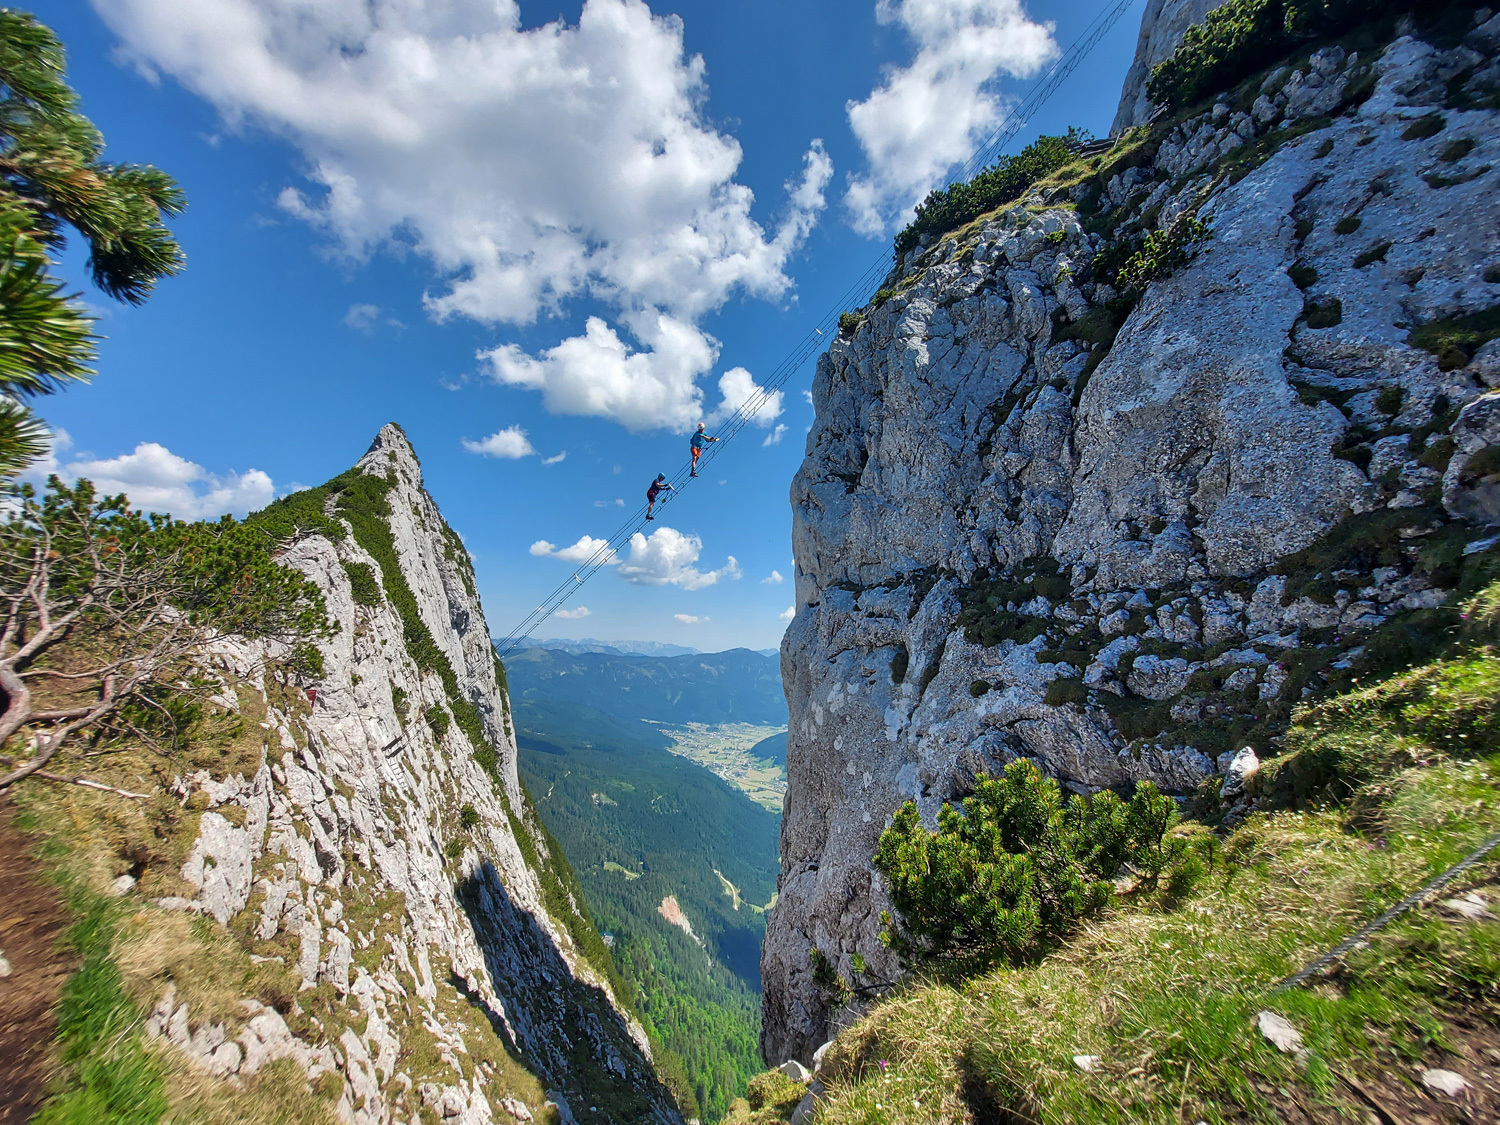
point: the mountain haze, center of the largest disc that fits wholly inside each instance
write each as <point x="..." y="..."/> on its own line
<point x="722" y="687"/>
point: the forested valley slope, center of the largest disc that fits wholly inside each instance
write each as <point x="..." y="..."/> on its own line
<point x="678" y="864"/>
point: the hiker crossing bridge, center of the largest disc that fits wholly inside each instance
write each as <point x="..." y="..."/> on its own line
<point x="607" y="551"/>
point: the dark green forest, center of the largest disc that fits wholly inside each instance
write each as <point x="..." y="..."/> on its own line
<point x="773" y="748"/>
<point x="640" y="824"/>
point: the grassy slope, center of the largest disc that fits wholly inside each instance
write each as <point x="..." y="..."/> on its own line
<point x="1380" y="789"/>
<point x="130" y="951"/>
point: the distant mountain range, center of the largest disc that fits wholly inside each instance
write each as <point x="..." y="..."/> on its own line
<point x="623" y="648"/>
<point x="610" y="648"/>
<point x="738" y="686"/>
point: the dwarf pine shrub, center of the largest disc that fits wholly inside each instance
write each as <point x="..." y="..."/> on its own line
<point x="1163" y="252"/>
<point x="950" y="207"/>
<point x="1007" y="876"/>
<point x="1241" y="37"/>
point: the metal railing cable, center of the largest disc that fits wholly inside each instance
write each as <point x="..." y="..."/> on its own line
<point x="608" y="551"/>
<point x="1415" y="899"/>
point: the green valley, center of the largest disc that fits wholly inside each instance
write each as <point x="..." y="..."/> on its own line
<point x="734" y="752"/>
<point x="621" y="754"/>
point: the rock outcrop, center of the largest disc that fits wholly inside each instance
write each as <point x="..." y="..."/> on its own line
<point x="1162" y="28"/>
<point x="1123" y="533"/>
<point x="386" y="853"/>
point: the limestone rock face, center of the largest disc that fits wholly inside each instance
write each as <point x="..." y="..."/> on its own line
<point x="1127" y="555"/>
<point x="1162" y="28"/>
<point x="348" y="849"/>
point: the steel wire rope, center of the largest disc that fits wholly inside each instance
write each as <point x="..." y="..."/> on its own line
<point x="857" y="295"/>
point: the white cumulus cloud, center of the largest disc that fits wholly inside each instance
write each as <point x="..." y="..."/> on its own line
<point x="576" y="614"/>
<point x="788" y="613"/>
<point x="557" y="459"/>
<point x="531" y="166"/>
<point x="362" y="318"/>
<point x="510" y="443"/>
<point x="43" y="467"/>
<point x="366" y="318"/>
<point x="690" y="619"/>
<point x="599" y="373"/>
<point x="775" y="436"/>
<point x="930" y="114"/>
<point x="667" y="557"/>
<point x="772" y="579"/>
<point x="587" y="549"/>
<point x="739" y="392"/>
<point x="157" y="480"/>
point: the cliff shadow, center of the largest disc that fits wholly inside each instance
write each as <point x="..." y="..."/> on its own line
<point x="495" y="1019"/>
<point x="567" y="1031"/>
<point x="738" y="948"/>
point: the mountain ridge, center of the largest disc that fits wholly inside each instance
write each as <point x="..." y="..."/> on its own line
<point x="377" y="905"/>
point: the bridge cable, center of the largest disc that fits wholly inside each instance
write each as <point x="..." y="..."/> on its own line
<point x="607" y="552"/>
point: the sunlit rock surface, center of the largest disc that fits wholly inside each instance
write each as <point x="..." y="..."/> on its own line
<point x="347" y="848"/>
<point x="1126" y="532"/>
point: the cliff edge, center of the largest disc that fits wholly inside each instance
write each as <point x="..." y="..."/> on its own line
<point x="1123" y="533"/>
<point x="1162" y="28"/>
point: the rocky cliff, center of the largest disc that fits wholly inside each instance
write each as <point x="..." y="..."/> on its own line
<point x="1123" y="532"/>
<point x="1162" y="28"/>
<point x="380" y="848"/>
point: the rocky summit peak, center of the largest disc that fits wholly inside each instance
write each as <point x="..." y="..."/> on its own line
<point x="375" y="843"/>
<point x="392" y="445"/>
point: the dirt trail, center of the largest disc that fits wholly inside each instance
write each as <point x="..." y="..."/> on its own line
<point x="32" y="921"/>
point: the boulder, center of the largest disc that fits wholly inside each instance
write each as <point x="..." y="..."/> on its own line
<point x="1242" y="767"/>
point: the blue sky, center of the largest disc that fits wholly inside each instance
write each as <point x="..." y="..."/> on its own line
<point x="570" y="220"/>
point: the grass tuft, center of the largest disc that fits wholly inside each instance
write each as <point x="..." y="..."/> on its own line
<point x="106" y="1073"/>
<point x="1324" y="314"/>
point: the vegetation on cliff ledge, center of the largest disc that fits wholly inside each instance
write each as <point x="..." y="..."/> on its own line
<point x="950" y="207"/>
<point x="1011" y="873"/>
<point x="1241" y="37"/>
<point x="1150" y="1012"/>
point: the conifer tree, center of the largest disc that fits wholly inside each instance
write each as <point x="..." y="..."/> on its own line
<point x="1011" y="871"/>
<point x="105" y="613"/>
<point x="53" y="177"/>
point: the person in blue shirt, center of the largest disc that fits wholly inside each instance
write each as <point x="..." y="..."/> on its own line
<point x="697" y="443"/>
<point x="655" y="489"/>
